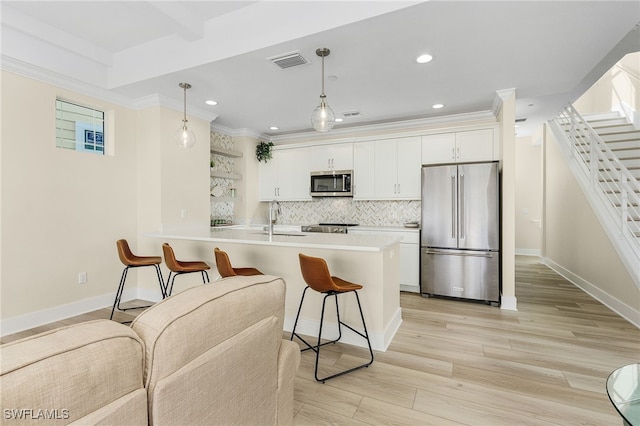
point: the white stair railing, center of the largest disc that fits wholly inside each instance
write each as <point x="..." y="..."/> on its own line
<point x="603" y="175"/>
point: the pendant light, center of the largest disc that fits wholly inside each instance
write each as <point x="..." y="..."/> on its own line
<point x="322" y="117"/>
<point x="185" y="138"/>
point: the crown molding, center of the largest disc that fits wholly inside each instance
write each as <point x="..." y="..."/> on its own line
<point x="392" y="126"/>
<point x="501" y="95"/>
<point x="238" y="132"/>
<point x="49" y="77"/>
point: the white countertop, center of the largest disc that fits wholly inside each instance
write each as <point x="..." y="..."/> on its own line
<point x="282" y="237"/>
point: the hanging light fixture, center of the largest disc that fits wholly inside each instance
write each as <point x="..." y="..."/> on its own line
<point x="322" y="117"/>
<point x="185" y="138"/>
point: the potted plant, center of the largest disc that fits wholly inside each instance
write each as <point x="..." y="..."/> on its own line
<point x="263" y="151"/>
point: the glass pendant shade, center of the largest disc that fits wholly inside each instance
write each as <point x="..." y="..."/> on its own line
<point x="185" y="138"/>
<point x="322" y="117"/>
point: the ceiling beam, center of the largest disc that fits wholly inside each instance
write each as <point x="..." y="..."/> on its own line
<point x="190" y="26"/>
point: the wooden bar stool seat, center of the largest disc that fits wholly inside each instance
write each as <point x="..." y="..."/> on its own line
<point x="226" y="270"/>
<point x="130" y="260"/>
<point x="179" y="267"/>
<point x="316" y="274"/>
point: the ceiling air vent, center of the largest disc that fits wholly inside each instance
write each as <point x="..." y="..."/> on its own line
<point x="520" y="120"/>
<point x="288" y="60"/>
<point x="351" y="114"/>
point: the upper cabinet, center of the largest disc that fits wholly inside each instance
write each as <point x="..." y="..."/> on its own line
<point x="387" y="169"/>
<point x="459" y="147"/>
<point x="286" y="175"/>
<point x="332" y="157"/>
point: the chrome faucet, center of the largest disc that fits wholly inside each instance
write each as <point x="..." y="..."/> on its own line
<point x="274" y="211"/>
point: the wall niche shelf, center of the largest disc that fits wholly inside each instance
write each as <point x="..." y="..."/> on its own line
<point x="233" y="176"/>
<point x="226" y="152"/>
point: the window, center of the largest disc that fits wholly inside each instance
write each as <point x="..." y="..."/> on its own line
<point x="79" y="128"/>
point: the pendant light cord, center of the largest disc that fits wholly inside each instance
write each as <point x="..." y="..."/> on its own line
<point x="323" y="95"/>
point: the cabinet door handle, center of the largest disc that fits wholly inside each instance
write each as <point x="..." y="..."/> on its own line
<point x="398" y="188"/>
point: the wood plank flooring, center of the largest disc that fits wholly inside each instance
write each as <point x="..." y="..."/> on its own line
<point x="459" y="363"/>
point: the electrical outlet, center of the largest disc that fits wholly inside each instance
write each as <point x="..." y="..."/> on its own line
<point x="82" y="277"/>
<point x="183" y="214"/>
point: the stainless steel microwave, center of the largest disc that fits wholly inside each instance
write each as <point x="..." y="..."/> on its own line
<point x="334" y="183"/>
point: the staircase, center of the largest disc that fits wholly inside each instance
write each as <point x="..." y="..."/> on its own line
<point x="609" y="141"/>
<point x="620" y="136"/>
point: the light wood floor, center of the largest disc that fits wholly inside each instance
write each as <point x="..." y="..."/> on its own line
<point x="459" y="363"/>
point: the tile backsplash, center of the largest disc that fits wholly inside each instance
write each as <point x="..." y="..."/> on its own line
<point x="348" y="210"/>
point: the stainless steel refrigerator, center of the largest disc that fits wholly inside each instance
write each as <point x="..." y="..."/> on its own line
<point x="460" y="238"/>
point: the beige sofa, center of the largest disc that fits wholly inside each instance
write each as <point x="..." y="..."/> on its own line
<point x="212" y="354"/>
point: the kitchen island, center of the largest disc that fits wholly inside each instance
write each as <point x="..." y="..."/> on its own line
<point x="372" y="261"/>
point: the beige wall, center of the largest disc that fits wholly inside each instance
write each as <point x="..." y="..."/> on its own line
<point x="574" y="238"/>
<point x="62" y="210"/>
<point x="528" y="199"/>
<point x="620" y="84"/>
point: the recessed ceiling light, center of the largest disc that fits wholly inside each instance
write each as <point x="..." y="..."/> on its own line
<point x="211" y="102"/>
<point x="438" y="106"/>
<point x="339" y="120"/>
<point x="423" y="59"/>
<point x="274" y="128"/>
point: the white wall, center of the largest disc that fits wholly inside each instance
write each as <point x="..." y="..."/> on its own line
<point x="62" y="210"/>
<point x="575" y="243"/>
<point x="528" y="198"/>
<point x="619" y="85"/>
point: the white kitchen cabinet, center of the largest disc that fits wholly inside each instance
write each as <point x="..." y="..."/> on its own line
<point x="397" y="167"/>
<point x="286" y="175"/>
<point x="332" y="157"/>
<point x="409" y="254"/>
<point x="363" y="171"/>
<point x="459" y="147"/>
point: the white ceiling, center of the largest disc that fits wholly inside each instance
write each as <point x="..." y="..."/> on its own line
<point x="136" y="52"/>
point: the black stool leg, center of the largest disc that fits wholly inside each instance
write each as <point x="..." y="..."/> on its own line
<point x="161" y="281"/>
<point x="123" y="278"/>
<point x="204" y="273"/>
<point x="365" y="335"/>
<point x="169" y="288"/>
<point x="116" y="302"/>
<point x="295" y="324"/>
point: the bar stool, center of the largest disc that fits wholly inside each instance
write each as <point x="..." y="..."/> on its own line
<point x="179" y="267"/>
<point x="226" y="270"/>
<point x="130" y="260"/>
<point x="316" y="274"/>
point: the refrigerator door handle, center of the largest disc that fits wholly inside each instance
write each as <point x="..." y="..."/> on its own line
<point x="453" y="206"/>
<point x="461" y="202"/>
<point x="444" y="253"/>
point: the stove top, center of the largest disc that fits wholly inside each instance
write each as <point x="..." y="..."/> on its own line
<point x="331" y="228"/>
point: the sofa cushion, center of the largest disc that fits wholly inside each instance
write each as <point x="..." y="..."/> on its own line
<point x="212" y="351"/>
<point x="84" y="371"/>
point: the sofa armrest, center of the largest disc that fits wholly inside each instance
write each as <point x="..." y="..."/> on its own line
<point x="84" y="372"/>
<point x="288" y="363"/>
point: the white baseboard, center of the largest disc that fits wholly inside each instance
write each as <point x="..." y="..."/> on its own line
<point x="528" y="252"/>
<point x="379" y="341"/>
<point x="509" y="303"/>
<point x="79" y="307"/>
<point x="58" y="313"/>
<point x="616" y="305"/>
